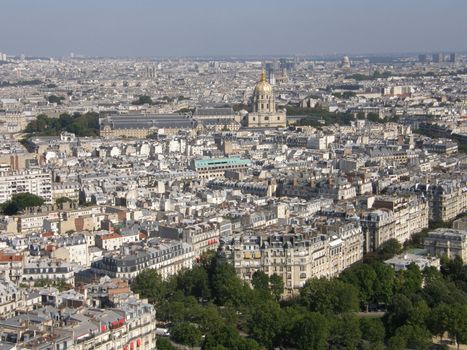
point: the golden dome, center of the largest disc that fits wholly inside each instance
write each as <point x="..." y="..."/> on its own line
<point x="263" y="87"/>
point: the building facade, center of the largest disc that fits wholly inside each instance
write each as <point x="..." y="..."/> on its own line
<point x="36" y="182"/>
<point x="265" y="114"/>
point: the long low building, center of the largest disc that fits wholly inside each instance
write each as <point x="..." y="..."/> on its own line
<point x="167" y="257"/>
<point x="141" y="125"/>
<point x="216" y="167"/>
<point x="294" y="257"/>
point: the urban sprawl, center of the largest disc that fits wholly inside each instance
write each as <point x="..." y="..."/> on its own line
<point x="293" y="169"/>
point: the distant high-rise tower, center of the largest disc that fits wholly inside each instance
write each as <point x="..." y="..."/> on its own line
<point x="422" y="58"/>
<point x="452" y="57"/>
<point x="438" y="58"/>
<point x="271" y="68"/>
<point x="72" y="55"/>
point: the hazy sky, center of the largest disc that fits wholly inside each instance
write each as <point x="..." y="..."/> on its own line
<point x="230" y="27"/>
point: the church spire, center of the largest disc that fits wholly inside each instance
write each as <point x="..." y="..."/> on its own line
<point x="263" y="74"/>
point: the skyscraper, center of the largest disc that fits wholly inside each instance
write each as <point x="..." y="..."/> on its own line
<point x="438" y="57"/>
<point x="422" y="58"/>
<point x="452" y="57"/>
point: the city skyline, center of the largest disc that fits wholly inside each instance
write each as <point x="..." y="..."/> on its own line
<point x="207" y="28"/>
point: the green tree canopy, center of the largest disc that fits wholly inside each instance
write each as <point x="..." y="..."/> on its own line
<point x="311" y="332"/>
<point x="21" y="201"/>
<point x="148" y="284"/>
<point x="55" y="99"/>
<point x="186" y="333"/>
<point x="345" y="332"/>
<point x="164" y="344"/>
<point x="372" y="329"/>
<point x="276" y="284"/>
<point x="143" y="99"/>
<point x="260" y="281"/>
<point x="329" y="296"/>
<point x="266" y="324"/>
<point x="80" y="124"/>
<point x="363" y="277"/>
<point x="389" y="248"/>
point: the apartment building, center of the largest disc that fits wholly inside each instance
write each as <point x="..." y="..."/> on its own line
<point x="410" y="214"/>
<point x="165" y="256"/>
<point x="202" y="236"/>
<point x="11" y="298"/>
<point x="130" y="325"/>
<point x="295" y="257"/>
<point x="47" y="269"/>
<point x="37" y="182"/>
<point x="378" y="226"/>
<point x="447" y="199"/>
<point x="73" y="249"/>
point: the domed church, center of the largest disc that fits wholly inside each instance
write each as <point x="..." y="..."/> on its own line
<point x="264" y="113"/>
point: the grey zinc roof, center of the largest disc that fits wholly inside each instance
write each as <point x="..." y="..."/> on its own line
<point x="153" y="120"/>
<point x="214" y="111"/>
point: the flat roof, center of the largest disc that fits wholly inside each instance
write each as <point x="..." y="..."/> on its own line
<point x="213" y="162"/>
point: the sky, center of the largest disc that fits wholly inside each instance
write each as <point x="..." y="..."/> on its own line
<point x="167" y="28"/>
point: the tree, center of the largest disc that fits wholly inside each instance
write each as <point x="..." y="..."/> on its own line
<point x="311" y="332"/>
<point x="27" y="200"/>
<point x="21" y="201"/>
<point x="226" y="337"/>
<point x="372" y="329"/>
<point x="397" y="342"/>
<point x="409" y="281"/>
<point x="457" y="324"/>
<point x="438" y="320"/>
<point x="55" y="99"/>
<point x="416" y="337"/>
<point x="363" y="277"/>
<point x="452" y="269"/>
<point x="225" y="284"/>
<point x="148" y="284"/>
<point x="260" y="281"/>
<point x="389" y="248"/>
<point x="80" y="124"/>
<point x="439" y="290"/>
<point x="186" y="333"/>
<point x="345" y="332"/>
<point x="277" y="285"/>
<point x="143" y="99"/>
<point x="194" y="282"/>
<point x="398" y="313"/>
<point x="420" y="311"/>
<point x="164" y="344"/>
<point x="383" y="284"/>
<point x="329" y="296"/>
<point x="9" y="208"/>
<point x="266" y="323"/>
